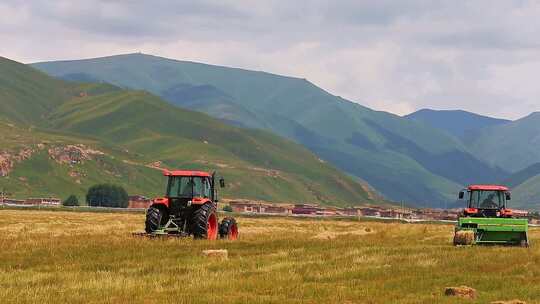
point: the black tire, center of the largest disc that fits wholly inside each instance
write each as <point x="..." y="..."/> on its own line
<point x="228" y="229"/>
<point x="155" y="217"/>
<point x="200" y="222"/>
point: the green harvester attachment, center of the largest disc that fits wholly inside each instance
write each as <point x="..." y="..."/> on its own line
<point x="487" y="220"/>
<point x="479" y="230"/>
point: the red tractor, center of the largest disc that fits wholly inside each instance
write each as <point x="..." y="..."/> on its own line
<point x="189" y="208"/>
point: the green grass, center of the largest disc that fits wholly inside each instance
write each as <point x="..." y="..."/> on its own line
<point x="71" y="257"/>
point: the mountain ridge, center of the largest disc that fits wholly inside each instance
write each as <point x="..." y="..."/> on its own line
<point x="455" y="122"/>
<point x="135" y="128"/>
<point x="345" y="133"/>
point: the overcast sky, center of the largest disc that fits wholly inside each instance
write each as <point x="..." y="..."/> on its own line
<point x="396" y="56"/>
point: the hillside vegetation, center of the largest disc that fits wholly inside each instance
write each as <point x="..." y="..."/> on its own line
<point x="71" y="257"/>
<point x="129" y="135"/>
<point x="526" y="187"/>
<point x="403" y="159"/>
<point x="515" y="145"/>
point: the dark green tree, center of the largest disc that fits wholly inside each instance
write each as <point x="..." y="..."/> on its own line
<point x="107" y="195"/>
<point x="72" y="200"/>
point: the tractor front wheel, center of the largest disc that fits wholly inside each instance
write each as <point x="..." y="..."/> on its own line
<point x="204" y="224"/>
<point x="155" y="217"/>
<point x="228" y="229"/>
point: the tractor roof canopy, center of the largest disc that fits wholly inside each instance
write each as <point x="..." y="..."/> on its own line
<point x="186" y="173"/>
<point x="488" y="188"/>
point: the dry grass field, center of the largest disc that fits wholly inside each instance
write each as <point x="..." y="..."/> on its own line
<point x="76" y="257"/>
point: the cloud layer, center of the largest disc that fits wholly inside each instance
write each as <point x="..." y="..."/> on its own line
<point x="397" y="56"/>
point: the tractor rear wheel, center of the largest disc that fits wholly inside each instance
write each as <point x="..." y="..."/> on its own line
<point x="155" y="217"/>
<point x="204" y="224"/>
<point x="228" y="229"/>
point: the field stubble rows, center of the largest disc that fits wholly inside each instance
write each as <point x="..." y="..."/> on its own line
<point x="76" y="257"/>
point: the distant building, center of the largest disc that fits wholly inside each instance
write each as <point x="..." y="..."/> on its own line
<point x="370" y="211"/>
<point x="307" y="209"/>
<point x="352" y="211"/>
<point x="48" y="201"/>
<point x="278" y="209"/>
<point x="139" y="201"/>
<point x="329" y="211"/>
<point x="13" y="201"/>
<point x="245" y="206"/>
<point x="389" y="213"/>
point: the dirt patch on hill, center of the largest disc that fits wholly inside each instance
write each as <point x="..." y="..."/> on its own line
<point x="72" y="154"/>
<point x="9" y="159"/>
<point x="268" y="172"/>
<point x="62" y="154"/>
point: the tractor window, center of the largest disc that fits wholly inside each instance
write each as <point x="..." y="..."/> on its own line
<point x="180" y="186"/>
<point x="186" y="186"/>
<point x="197" y="187"/>
<point x="205" y="188"/>
<point x="486" y="199"/>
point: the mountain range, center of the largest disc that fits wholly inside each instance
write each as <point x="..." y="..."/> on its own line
<point x="422" y="159"/>
<point x="59" y="138"/>
<point x="458" y="123"/>
<point x="401" y="158"/>
<point x="512" y="145"/>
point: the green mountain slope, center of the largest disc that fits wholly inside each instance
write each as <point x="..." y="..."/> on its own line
<point x="125" y="135"/>
<point x="514" y="146"/>
<point x="522" y="176"/>
<point x="525" y="186"/>
<point x="456" y="122"/>
<point x="42" y="163"/>
<point x="403" y="159"/>
<point x="507" y="144"/>
<point x="25" y="97"/>
<point x="526" y="195"/>
<point x="504" y="143"/>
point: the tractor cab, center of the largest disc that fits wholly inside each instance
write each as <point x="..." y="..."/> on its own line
<point x="486" y="201"/>
<point x="186" y="188"/>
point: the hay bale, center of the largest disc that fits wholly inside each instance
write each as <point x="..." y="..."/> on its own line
<point x="461" y="292"/>
<point x="330" y="235"/>
<point x="464" y="237"/>
<point x="326" y="235"/>
<point x="219" y="253"/>
<point x="509" y="302"/>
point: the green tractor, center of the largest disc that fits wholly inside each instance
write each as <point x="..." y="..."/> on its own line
<point x="487" y="220"/>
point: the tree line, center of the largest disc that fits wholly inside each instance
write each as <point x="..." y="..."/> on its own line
<point x="102" y="195"/>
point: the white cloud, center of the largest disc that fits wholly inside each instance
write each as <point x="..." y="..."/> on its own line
<point x="396" y="56"/>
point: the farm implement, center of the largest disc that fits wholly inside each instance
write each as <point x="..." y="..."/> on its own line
<point x="189" y="208"/>
<point x="487" y="220"/>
